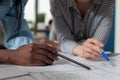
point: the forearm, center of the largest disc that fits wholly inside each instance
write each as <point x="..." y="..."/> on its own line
<point x="103" y="30"/>
<point x="7" y="56"/>
<point x="67" y="46"/>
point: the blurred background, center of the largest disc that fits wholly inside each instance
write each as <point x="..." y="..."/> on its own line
<point x="37" y="13"/>
<point x="39" y="17"/>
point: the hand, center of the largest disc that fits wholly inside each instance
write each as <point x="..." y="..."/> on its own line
<point x="50" y="43"/>
<point x="34" y="55"/>
<point x="89" y="48"/>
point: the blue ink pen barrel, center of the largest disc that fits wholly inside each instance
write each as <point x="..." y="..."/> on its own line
<point x="103" y="54"/>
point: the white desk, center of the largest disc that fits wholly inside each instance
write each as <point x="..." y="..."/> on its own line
<point x="64" y="70"/>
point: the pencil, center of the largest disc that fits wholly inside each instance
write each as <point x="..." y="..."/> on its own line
<point x="71" y="60"/>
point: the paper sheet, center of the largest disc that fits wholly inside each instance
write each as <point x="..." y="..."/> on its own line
<point x="65" y="70"/>
<point x="22" y="78"/>
<point x="54" y="68"/>
<point x="64" y="65"/>
<point x="39" y="76"/>
<point x="9" y="72"/>
<point x="76" y="75"/>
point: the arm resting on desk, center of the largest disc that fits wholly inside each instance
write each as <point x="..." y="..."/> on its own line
<point x="29" y="55"/>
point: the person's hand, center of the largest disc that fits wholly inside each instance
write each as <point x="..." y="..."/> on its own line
<point x="50" y="43"/>
<point x="34" y="55"/>
<point x="89" y="48"/>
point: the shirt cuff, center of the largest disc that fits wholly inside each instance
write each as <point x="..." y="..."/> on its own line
<point x="67" y="46"/>
<point x="17" y="42"/>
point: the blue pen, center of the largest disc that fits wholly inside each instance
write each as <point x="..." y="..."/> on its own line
<point x="103" y="54"/>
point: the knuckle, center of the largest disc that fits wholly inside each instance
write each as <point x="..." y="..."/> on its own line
<point x="46" y="47"/>
<point x="30" y="50"/>
<point x="33" y="45"/>
<point x="51" y="48"/>
<point x="84" y="43"/>
<point x="90" y="45"/>
<point x="90" y="50"/>
<point x="93" y="38"/>
<point x="88" y="39"/>
<point x="43" y="40"/>
<point x="96" y="41"/>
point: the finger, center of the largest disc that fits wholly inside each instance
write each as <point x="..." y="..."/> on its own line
<point x="46" y="47"/>
<point x="48" y="42"/>
<point x="95" y="41"/>
<point x="47" y="60"/>
<point x="92" y="46"/>
<point x="40" y="57"/>
<point x="91" y="51"/>
<point x="45" y="53"/>
<point x="39" y="63"/>
<point x="52" y="56"/>
<point x="43" y="58"/>
<point x="43" y="41"/>
<point x="86" y="55"/>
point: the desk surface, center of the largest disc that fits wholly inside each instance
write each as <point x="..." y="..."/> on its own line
<point x="64" y="70"/>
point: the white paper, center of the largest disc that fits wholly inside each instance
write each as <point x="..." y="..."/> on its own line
<point x="75" y="75"/>
<point x="65" y="70"/>
<point x="64" y="65"/>
<point x="22" y="78"/>
<point x="39" y="76"/>
<point x="54" y="68"/>
<point x="9" y="72"/>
